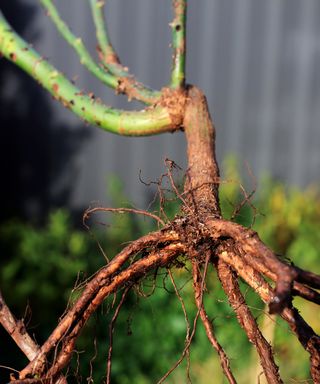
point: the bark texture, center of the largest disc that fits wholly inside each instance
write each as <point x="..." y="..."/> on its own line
<point x="202" y="181"/>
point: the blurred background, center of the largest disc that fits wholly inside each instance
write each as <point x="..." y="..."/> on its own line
<point x="257" y="62"/>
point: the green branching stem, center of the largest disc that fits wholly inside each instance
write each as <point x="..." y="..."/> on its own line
<point x="110" y="60"/>
<point x="178" y="26"/>
<point x="97" y="10"/>
<point x="132" y="123"/>
<point x="77" y="44"/>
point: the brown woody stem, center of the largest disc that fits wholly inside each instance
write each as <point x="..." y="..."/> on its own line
<point x="203" y="173"/>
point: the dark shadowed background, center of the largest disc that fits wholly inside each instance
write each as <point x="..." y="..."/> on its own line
<point x="257" y="61"/>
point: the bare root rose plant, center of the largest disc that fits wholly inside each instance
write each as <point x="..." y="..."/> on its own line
<point x="199" y="235"/>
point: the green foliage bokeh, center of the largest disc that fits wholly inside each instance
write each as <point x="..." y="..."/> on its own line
<point x="40" y="266"/>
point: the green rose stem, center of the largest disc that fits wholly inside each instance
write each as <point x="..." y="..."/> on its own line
<point x="131" y="123"/>
<point x="77" y="44"/>
<point x="110" y="77"/>
<point x="110" y="60"/>
<point x="178" y="26"/>
<point x="97" y="9"/>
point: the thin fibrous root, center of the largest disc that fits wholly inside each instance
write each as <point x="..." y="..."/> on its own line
<point x="208" y="326"/>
